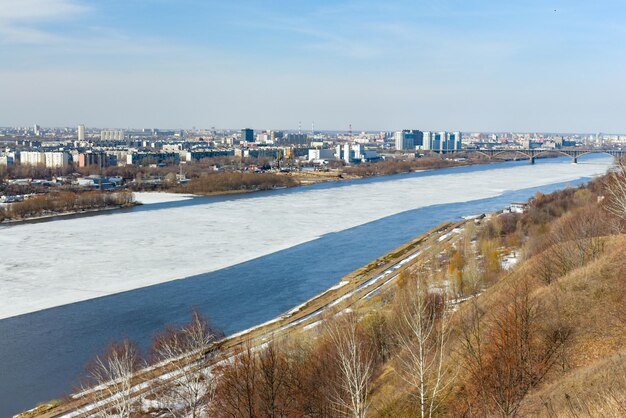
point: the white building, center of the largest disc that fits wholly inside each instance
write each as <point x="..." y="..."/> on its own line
<point x="113" y="135"/>
<point x="355" y="152"/>
<point x="442" y="141"/>
<point x="52" y="159"/>
<point x="32" y="158"/>
<point x="404" y="140"/>
<point x="321" y="154"/>
<point x="56" y="159"/>
<point x="81" y="132"/>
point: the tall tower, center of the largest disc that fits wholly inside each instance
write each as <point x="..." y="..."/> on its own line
<point x="81" y="132"/>
<point x="247" y="135"/>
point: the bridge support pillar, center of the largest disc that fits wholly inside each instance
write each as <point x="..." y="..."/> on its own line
<point x="532" y="160"/>
<point x="575" y="160"/>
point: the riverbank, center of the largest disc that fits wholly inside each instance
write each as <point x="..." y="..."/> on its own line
<point x="64" y="203"/>
<point x="362" y="171"/>
<point x="49" y="216"/>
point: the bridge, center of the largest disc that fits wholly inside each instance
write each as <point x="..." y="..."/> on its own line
<point x="531" y="154"/>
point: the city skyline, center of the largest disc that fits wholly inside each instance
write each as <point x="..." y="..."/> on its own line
<point x="490" y="67"/>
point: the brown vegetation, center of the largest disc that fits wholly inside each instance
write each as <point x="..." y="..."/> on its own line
<point x="63" y="202"/>
<point x="392" y="166"/>
<point x="225" y="182"/>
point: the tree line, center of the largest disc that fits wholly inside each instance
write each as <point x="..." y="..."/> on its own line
<point x="64" y="201"/>
<point x="393" y="166"/>
<point x="235" y="181"/>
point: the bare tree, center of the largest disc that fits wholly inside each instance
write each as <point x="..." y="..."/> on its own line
<point x="186" y="349"/>
<point x="274" y="382"/>
<point x="111" y="377"/>
<point x="473" y="354"/>
<point x="354" y="361"/>
<point x="615" y="202"/>
<point x="237" y="389"/>
<point x="509" y="352"/>
<point x="573" y="240"/>
<point x="472" y="275"/>
<point x="422" y="332"/>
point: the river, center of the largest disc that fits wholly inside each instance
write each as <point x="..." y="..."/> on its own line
<point x="258" y="256"/>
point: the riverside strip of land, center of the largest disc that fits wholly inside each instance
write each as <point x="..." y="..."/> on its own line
<point x="354" y="287"/>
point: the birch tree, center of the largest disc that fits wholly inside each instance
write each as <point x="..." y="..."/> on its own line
<point x="354" y="360"/>
<point x="111" y="376"/>
<point x="422" y="332"/>
<point x="192" y="390"/>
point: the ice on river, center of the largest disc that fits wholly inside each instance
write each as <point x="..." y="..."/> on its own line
<point x="54" y="263"/>
<point x="149" y="198"/>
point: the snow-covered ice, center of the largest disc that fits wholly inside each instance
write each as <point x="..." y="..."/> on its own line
<point x="54" y="263"/>
<point x="150" y="198"/>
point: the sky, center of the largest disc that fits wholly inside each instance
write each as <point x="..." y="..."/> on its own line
<point x="480" y="65"/>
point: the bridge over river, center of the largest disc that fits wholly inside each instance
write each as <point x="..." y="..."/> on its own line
<point x="531" y="154"/>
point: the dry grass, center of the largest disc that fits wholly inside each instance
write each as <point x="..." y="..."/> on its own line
<point x="589" y="378"/>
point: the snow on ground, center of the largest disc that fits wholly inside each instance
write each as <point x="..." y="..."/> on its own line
<point x="338" y="285"/>
<point x="510" y="260"/>
<point x="54" y="263"/>
<point x="149" y="198"/>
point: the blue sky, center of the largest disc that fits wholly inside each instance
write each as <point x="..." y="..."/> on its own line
<point x="536" y="65"/>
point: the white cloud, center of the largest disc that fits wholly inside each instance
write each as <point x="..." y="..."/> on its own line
<point x="39" y="10"/>
<point x="19" y="19"/>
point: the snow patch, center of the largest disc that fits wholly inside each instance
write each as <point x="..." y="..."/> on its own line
<point x="151" y="198"/>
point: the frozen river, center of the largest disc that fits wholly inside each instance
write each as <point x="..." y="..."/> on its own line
<point x="55" y="263"/>
<point x="244" y="259"/>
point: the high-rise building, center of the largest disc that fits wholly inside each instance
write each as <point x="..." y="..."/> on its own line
<point x="442" y="141"/>
<point x="52" y="159"/>
<point x="94" y="158"/>
<point x="457" y="140"/>
<point x="432" y="141"/>
<point x="57" y="159"/>
<point x="32" y="158"/>
<point x="247" y="135"/>
<point x="408" y="139"/>
<point x="81" y="132"/>
<point x="113" y="135"/>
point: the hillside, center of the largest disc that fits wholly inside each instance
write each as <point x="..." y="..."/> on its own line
<point x="547" y="338"/>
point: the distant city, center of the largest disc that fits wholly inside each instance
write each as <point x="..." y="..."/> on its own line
<point x="82" y="146"/>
